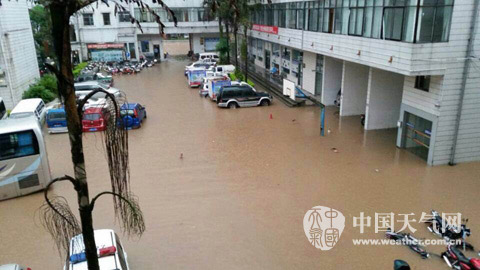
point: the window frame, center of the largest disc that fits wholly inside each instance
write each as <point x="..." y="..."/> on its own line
<point x="90" y="17"/>
<point x="420" y="82"/>
<point x="109" y="19"/>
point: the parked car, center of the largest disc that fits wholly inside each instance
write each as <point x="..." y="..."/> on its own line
<point x="95" y="119"/>
<point x="111" y="254"/>
<point x="208" y="57"/>
<point x="222" y="69"/>
<point x="133" y="115"/>
<point x="14" y="266"/>
<point x="197" y="65"/>
<point x="242" y="96"/>
<point x="57" y="120"/>
<point x="84" y="88"/>
<point x="30" y="107"/>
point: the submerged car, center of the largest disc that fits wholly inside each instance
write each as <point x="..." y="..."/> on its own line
<point x="95" y="119"/>
<point x="111" y="254"/>
<point x="133" y="115"/>
<point x="242" y="95"/>
<point x="197" y="65"/>
<point x="57" y="120"/>
<point x="84" y="88"/>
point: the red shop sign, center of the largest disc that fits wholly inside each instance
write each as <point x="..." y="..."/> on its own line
<point x="265" y="28"/>
<point x="105" y="46"/>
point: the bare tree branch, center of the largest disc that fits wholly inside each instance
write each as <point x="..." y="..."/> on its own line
<point x="58" y="219"/>
<point x="131" y="215"/>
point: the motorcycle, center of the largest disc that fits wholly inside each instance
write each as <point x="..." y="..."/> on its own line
<point x="455" y="259"/>
<point x="440" y="227"/>
<point x="408" y="240"/>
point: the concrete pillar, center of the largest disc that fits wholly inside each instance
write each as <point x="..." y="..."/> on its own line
<point x="332" y="79"/>
<point x="354" y="89"/>
<point x="309" y="60"/>
<point x="384" y="99"/>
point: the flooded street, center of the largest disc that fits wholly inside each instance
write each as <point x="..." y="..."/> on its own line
<point x="238" y="197"/>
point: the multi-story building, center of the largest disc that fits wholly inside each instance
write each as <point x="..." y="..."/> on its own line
<point x="18" y="60"/>
<point x="406" y="64"/>
<point x="98" y="34"/>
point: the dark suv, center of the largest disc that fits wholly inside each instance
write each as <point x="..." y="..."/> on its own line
<point x="242" y="96"/>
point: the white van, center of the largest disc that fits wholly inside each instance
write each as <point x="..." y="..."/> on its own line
<point x="223" y="69"/>
<point x="3" y="110"/>
<point x="208" y="57"/>
<point x="30" y="107"/>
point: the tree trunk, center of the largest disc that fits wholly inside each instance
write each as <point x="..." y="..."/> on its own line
<point x="228" y="42"/>
<point x="220" y="27"/>
<point x="60" y="13"/>
<point x="235" y="30"/>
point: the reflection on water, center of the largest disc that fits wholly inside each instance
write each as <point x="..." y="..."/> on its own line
<point x="238" y="197"/>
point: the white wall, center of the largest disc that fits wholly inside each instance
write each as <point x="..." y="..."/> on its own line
<point x="332" y="79"/>
<point x="384" y="99"/>
<point x="354" y="89"/>
<point x="200" y="48"/>
<point x="310" y="61"/>
<point x="17" y="49"/>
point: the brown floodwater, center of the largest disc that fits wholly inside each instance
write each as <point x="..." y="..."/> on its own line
<point x="238" y="197"/>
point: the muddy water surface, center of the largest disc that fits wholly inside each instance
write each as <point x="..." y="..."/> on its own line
<point x="238" y="197"/>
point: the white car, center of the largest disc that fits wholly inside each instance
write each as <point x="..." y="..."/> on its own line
<point x="197" y="65"/>
<point x="13" y="267"/>
<point x="84" y="88"/>
<point x="111" y="254"/>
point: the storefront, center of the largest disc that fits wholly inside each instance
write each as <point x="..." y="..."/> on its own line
<point x="107" y="52"/>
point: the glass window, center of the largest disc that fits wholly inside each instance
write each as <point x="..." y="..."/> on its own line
<point x="87" y="19"/>
<point x="145" y="46"/>
<point x="313" y="19"/>
<point x="441" y="29"/>
<point x="18" y="144"/>
<point x="124" y="16"/>
<point x="106" y="18"/>
<point x="92" y="116"/>
<point x="422" y="83"/>
<point x="367" y="28"/>
<point x="393" y="22"/>
<point x="377" y="22"/>
<point x="425" y="27"/>
<point x="56" y="116"/>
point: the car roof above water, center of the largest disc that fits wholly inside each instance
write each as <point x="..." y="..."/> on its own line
<point x="18" y="124"/>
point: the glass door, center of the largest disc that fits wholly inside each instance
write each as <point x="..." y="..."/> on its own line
<point x="416" y="135"/>
<point x="319" y="75"/>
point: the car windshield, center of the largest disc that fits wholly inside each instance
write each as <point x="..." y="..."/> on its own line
<point x="126" y="112"/>
<point x="56" y="116"/>
<point x="91" y="116"/>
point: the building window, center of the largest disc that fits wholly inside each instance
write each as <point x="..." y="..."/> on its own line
<point x="415" y="21"/>
<point x="123" y="16"/>
<point x="73" y="36"/>
<point x="434" y="21"/>
<point x="422" y="83"/>
<point x="87" y="19"/>
<point x="106" y="18"/>
<point x="3" y="79"/>
<point x="145" y="46"/>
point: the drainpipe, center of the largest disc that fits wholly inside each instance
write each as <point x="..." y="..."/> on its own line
<point x="466" y="69"/>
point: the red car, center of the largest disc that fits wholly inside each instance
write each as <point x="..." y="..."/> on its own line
<point x="95" y="119"/>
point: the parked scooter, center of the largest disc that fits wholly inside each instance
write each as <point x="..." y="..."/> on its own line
<point x="440" y="227"/>
<point x="408" y="240"/>
<point x="455" y="259"/>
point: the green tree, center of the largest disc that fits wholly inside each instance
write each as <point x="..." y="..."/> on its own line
<point x="57" y="215"/>
<point x="42" y="32"/>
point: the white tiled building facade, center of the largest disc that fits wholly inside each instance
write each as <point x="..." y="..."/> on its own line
<point x="399" y="62"/>
<point x="18" y="60"/>
<point x="100" y="25"/>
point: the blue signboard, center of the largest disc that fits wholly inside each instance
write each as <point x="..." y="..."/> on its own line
<point x="107" y="55"/>
<point x="217" y="85"/>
